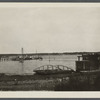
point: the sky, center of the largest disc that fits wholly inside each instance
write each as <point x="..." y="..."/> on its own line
<point x="49" y="29"/>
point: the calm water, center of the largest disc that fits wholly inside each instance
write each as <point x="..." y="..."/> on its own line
<point x="15" y="67"/>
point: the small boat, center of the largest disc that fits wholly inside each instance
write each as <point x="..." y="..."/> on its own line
<point x="22" y="57"/>
<point x="28" y="58"/>
<point x="37" y="58"/>
<point x="53" y="69"/>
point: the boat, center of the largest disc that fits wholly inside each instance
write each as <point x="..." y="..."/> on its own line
<point x="53" y="69"/>
<point x="22" y="57"/>
<point x="37" y="57"/>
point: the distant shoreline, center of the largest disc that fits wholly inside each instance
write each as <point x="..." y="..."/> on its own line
<point x="64" y="53"/>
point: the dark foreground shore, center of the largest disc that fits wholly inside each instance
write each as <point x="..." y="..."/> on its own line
<point x="29" y="82"/>
<point x="57" y="82"/>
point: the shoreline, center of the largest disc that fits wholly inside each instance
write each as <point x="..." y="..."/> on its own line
<point x="56" y="82"/>
<point x="43" y="54"/>
<point x="29" y="82"/>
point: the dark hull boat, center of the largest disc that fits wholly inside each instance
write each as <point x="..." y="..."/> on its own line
<point x="48" y="72"/>
<point x="53" y="69"/>
<point x="37" y="58"/>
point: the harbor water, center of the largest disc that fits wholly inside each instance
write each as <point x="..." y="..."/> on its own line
<point x="27" y="67"/>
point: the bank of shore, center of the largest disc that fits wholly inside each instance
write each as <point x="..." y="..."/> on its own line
<point x="57" y="82"/>
<point x="29" y="82"/>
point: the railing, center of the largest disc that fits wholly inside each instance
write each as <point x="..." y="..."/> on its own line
<point x="53" y="67"/>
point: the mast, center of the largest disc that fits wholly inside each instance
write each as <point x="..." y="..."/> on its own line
<point x="49" y="59"/>
<point x="36" y="58"/>
<point x="37" y="55"/>
<point x="22" y="57"/>
<point x="22" y="52"/>
<point x="22" y="61"/>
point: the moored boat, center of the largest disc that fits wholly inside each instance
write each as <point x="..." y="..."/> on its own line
<point x="53" y="69"/>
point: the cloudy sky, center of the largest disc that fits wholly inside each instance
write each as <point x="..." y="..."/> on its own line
<point x="49" y="29"/>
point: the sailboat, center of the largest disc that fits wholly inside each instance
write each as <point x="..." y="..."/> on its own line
<point x="37" y="57"/>
<point x="22" y="57"/>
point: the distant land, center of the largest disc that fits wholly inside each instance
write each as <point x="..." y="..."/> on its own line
<point x="64" y="53"/>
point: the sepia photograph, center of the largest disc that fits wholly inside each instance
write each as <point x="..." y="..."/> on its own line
<point x="49" y="47"/>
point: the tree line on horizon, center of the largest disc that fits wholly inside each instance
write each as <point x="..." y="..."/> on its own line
<point x="30" y="54"/>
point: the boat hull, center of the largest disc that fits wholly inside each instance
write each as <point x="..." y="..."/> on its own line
<point x="48" y="72"/>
